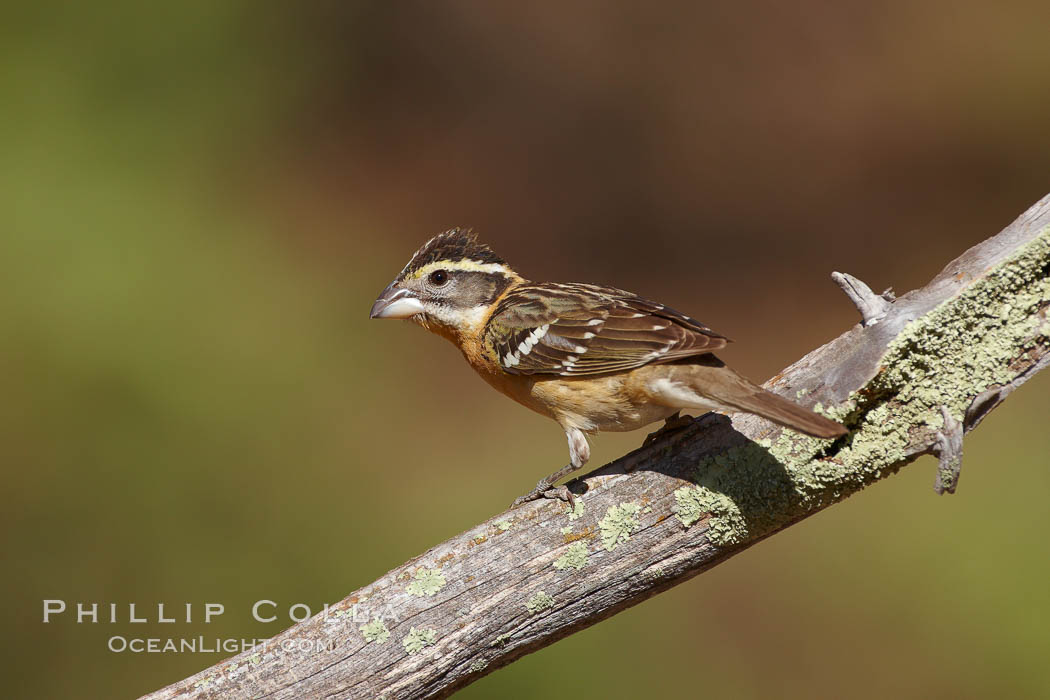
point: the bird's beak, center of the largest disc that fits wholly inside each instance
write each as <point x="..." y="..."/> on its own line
<point x="395" y="302"/>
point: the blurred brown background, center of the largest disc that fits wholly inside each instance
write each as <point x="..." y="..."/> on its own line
<point x="201" y="200"/>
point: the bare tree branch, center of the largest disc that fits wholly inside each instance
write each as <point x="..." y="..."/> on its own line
<point x="938" y="360"/>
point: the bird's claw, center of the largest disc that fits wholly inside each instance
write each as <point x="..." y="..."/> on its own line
<point x="671" y="424"/>
<point x="545" y="490"/>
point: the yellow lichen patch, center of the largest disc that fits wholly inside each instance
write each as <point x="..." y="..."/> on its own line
<point x="586" y="534"/>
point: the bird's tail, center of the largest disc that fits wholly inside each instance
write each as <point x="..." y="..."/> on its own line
<point x="718" y="384"/>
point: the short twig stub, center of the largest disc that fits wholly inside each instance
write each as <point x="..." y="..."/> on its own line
<point x="872" y="306"/>
<point x="948" y="448"/>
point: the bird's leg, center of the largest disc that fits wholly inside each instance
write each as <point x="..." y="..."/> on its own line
<point x="671" y="424"/>
<point x="579" y="453"/>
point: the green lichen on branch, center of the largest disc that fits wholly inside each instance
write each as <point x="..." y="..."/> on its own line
<point x="741" y="492"/>
<point x="426" y="582"/>
<point x="726" y="525"/>
<point x="689" y="505"/>
<point x="975" y="340"/>
<point x="418" y="639"/>
<point x="375" y="631"/>
<point x="575" y="557"/>
<point x="948" y="473"/>
<point x="618" y="524"/>
<point x="539" y="602"/>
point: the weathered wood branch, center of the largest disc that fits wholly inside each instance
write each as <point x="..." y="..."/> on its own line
<point x="936" y="362"/>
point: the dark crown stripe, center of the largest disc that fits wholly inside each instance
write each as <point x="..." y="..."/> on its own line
<point x="453" y="245"/>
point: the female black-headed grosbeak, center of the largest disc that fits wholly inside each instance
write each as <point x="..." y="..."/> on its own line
<point x="592" y="358"/>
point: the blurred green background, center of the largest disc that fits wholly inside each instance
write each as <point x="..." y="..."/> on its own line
<point x="200" y="201"/>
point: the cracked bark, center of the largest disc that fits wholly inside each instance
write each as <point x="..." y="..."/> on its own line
<point x="937" y="360"/>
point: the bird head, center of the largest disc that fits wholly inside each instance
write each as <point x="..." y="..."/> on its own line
<point x="448" y="286"/>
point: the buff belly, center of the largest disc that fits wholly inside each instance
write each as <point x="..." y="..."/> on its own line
<point x="595" y="404"/>
<point x="613" y="402"/>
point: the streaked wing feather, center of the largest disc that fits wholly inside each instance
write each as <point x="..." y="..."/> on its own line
<point x="582" y="329"/>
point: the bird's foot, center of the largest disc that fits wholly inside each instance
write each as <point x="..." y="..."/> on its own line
<point x="545" y="490"/>
<point x="671" y="425"/>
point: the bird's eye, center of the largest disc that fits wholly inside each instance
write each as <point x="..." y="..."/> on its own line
<point x="438" y="277"/>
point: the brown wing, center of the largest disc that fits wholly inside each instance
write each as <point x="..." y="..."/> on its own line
<point x="583" y="329"/>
